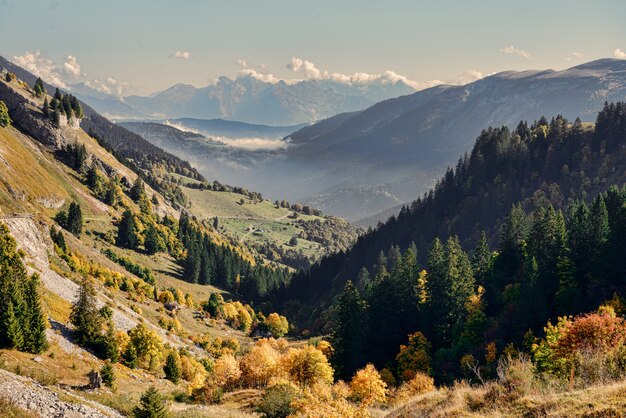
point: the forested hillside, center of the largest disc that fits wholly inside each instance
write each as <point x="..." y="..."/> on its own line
<point x="554" y="161"/>
<point x="429" y="279"/>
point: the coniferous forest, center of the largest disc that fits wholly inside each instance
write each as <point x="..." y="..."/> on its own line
<point x="526" y="228"/>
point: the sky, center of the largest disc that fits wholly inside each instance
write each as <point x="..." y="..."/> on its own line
<point x="145" y="46"/>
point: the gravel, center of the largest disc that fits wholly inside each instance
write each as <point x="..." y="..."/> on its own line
<point x="43" y="402"/>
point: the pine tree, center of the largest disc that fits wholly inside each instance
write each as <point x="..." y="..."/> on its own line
<point x="107" y="372"/>
<point x="110" y="347"/>
<point x="56" y="118"/>
<point x="39" y="88"/>
<point x="481" y="259"/>
<point x="35" y="340"/>
<point x="74" y="223"/>
<point x="46" y="108"/>
<point x="172" y="367"/>
<point x="128" y="231"/>
<point x="94" y="180"/>
<point x="152" y="405"/>
<point x="85" y="316"/>
<point x="349" y="334"/>
<point x="153" y="241"/>
<point x="138" y="191"/>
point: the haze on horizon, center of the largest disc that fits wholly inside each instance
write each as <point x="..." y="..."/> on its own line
<point x="141" y="47"/>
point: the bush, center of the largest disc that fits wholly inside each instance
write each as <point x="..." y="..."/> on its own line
<point x="421" y="383"/>
<point x="5" y="120"/>
<point x="277" y="399"/>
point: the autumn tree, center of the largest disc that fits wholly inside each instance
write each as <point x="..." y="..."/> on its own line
<point x="368" y="387"/>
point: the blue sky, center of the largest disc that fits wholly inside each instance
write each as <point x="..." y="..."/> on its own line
<point x="130" y="46"/>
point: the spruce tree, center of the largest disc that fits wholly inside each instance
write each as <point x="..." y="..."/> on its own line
<point x="35" y="340"/>
<point x="74" y="223"/>
<point x="128" y="231"/>
<point x="46" y="108"/>
<point x="153" y="241"/>
<point x="38" y="88"/>
<point x="152" y="405"/>
<point x="107" y="372"/>
<point x="85" y="316"/>
<point x="138" y="190"/>
<point x="172" y="367"/>
<point x="349" y="335"/>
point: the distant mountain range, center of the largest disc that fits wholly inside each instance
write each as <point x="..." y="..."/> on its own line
<point x="360" y="164"/>
<point x="246" y="99"/>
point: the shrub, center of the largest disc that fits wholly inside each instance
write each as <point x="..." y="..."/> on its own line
<point x="276" y="401"/>
<point x="420" y="383"/>
<point x="5" y="120"/>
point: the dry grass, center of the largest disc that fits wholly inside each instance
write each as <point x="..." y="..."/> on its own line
<point x="10" y="410"/>
<point x="492" y="400"/>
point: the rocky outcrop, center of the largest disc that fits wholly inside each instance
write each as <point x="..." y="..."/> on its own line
<point x="26" y="115"/>
<point x="41" y="401"/>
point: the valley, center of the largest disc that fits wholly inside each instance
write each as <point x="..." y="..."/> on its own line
<point x="313" y="210"/>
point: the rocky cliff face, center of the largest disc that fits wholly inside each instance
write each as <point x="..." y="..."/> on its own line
<point x="26" y="115"/>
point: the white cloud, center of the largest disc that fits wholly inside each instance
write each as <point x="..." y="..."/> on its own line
<point x="40" y="66"/>
<point x="307" y="70"/>
<point x="516" y="51"/>
<point x="574" y="56"/>
<point x="181" y="54"/>
<point x="71" y="66"/>
<point x="262" y="74"/>
<point x="108" y="85"/>
<point x="618" y="53"/>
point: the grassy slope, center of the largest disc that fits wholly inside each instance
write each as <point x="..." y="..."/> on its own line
<point x="241" y="221"/>
<point x="607" y="400"/>
<point x="31" y="178"/>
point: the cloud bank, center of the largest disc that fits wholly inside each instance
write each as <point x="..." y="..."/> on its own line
<point x="618" y="53"/>
<point x="307" y="70"/>
<point x="511" y="50"/>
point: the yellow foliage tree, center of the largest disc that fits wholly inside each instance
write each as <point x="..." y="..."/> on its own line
<point x="193" y="372"/>
<point x="147" y="345"/>
<point x="259" y="364"/>
<point x="226" y="371"/>
<point x="415" y="357"/>
<point x="306" y="366"/>
<point x="368" y="387"/>
<point x="277" y="324"/>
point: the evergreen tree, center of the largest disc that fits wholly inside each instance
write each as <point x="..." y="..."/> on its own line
<point x="348" y="337"/>
<point x="107" y="372"/>
<point x="138" y="190"/>
<point x="94" y="180"/>
<point x="152" y="405"/>
<point x="85" y="316"/>
<point x="74" y="222"/>
<point x="128" y="231"/>
<point x="39" y="88"/>
<point x="172" y="367"/>
<point x="481" y="259"/>
<point x="57" y="95"/>
<point x="110" y="347"/>
<point x="111" y="194"/>
<point x="35" y="340"/>
<point x="56" y="118"/>
<point x="46" y="108"/>
<point x="153" y="241"/>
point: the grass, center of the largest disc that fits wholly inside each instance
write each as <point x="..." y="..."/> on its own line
<point x="477" y="401"/>
<point x="243" y="221"/>
<point x="11" y="410"/>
